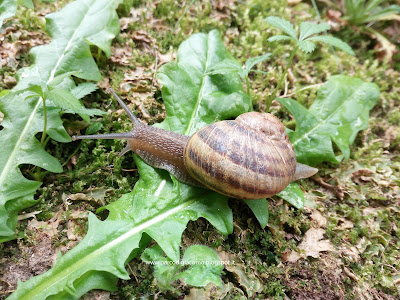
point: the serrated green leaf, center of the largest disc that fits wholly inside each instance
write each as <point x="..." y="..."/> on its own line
<point x="20" y="147"/>
<point x="308" y="29"/>
<point x="283" y="25"/>
<point x="339" y="112"/>
<point x="333" y="41"/>
<point x="84" y="89"/>
<point x="260" y="209"/>
<point x="68" y="52"/>
<point x="65" y="100"/>
<point x="165" y="270"/>
<point x="293" y="194"/>
<point x="279" y="38"/>
<point x="159" y="206"/>
<point x="8" y="8"/>
<point x="202" y="267"/>
<point x="251" y="62"/>
<point x="306" y="46"/>
<point x="205" y="266"/>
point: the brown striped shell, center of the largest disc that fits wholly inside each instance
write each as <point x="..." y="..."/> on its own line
<point x="248" y="158"/>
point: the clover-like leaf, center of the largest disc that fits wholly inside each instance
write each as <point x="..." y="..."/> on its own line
<point x="308" y="29"/>
<point x="283" y="25"/>
<point x="306" y="46"/>
<point x="333" y="41"/>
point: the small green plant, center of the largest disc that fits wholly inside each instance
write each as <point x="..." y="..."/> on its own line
<point x="199" y="266"/>
<point x="232" y="66"/>
<point x="359" y="12"/>
<point x="66" y="100"/>
<point x="305" y="40"/>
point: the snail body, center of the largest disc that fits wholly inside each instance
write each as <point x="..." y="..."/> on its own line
<point x="250" y="157"/>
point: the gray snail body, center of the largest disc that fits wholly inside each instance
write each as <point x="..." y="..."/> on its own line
<point x="250" y="157"/>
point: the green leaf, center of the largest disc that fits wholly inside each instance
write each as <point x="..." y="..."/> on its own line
<point x="37" y="89"/>
<point x="280" y="38"/>
<point x="260" y="209"/>
<point x="339" y="112"/>
<point x="159" y="206"/>
<point x="308" y="29"/>
<point x="224" y="67"/>
<point x="84" y="89"/>
<point x="69" y="52"/>
<point x="391" y="12"/>
<point x="26" y="3"/>
<point x="165" y="270"/>
<point x="306" y="46"/>
<point x="332" y="41"/>
<point x="203" y="262"/>
<point x="283" y="25"/>
<point x="205" y="266"/>
<point x="207" y="98"/>
<point x="251" y="62"/>
<point x="293" y="194"/>
<point x="65" y="100"/>
<point x="8" y="8"/>
<point x="21" y="147"/>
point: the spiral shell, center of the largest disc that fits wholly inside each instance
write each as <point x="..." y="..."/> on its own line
<point x="248" y="158"/>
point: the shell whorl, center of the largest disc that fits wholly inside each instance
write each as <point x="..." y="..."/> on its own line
<point x="248" y="158"/>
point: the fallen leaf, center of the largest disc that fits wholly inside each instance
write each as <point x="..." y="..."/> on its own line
<point x="361" y="176"/>
<point x="122" y="55"/>
<point x="311" y="245"/>
<point x="334" y="19"/>
<point x="344" y="224"/>
<point x="318" y="219"/>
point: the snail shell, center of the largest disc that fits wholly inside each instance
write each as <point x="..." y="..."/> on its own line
<point x="250" y="157"/>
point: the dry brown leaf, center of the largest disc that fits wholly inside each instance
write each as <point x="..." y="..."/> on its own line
<point x="361" y="176"/>
<point x="344" y="224"/>
<point x="143" y="39"/>
<point x="165" y="58"/>
<point x="384" y="49"/>
<point x="318" y="219"/>
<point x="350" y="252"/>
<point x="121" y="55"/>
<point x="311" y="245"/>
<point x="334" y="19"/>
<point x="50" y="228"/>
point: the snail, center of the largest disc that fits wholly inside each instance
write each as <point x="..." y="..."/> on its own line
<point x="250" y="157"/>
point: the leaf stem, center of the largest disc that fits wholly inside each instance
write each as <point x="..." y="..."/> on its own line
<point x="42" y="142"/>
<point x="280" y="81"/>
<point x="248" y="86"/>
